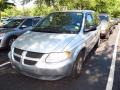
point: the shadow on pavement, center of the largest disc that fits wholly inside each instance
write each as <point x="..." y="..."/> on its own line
<point x="4" y="56"/>
<point x="116" y="84"/>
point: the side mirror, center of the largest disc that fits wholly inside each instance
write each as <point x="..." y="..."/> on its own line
<point x="91" y="28"/>
<point x="23" y="26"/>
<point x="28" y="28"/>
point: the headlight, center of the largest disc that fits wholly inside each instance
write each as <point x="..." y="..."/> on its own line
<point x="103" y="31"/>
<point x="58" y="57"/>
<point x="2" y="34"/>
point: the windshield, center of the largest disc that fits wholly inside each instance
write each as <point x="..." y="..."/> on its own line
<point x="13" y="23"/>
<point x="61" y="22"/>
<point x="103" y="18"/>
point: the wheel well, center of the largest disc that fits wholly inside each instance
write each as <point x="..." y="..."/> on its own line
<point x="12" y="36"/>
<point x="8" y="38"/>
<point x="83" y="51"/>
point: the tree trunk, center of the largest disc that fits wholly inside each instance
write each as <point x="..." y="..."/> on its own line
<point x="0" y="14"/>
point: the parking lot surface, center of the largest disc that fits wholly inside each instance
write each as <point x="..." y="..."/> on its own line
<point x="94" y="75"/>
<point x="116" y="83"/>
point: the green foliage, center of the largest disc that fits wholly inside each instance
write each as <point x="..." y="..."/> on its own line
<point x="4" y="4"/>
<point x="44" y="7"/>
<point x="42" y="10"/>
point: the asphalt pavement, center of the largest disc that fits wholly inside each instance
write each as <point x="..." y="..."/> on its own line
<point x="94" y="75"/>
<point x="116" y="83"/>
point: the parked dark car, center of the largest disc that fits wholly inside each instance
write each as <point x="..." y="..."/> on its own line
<point x="17" y="26"/>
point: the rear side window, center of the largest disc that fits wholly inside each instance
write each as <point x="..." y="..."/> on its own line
<point x="95" y="18"/>
<point x="35" y="21"/>
<point x="13" y="23"/>
<point x="89" y="20"/>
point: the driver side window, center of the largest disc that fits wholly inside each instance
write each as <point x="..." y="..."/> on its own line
<point x="26" y="24"/>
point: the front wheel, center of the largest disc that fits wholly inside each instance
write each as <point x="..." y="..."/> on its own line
<point x="78" y="66"/>
<point x="10" y="41"/>
<point x="111" y="29"/>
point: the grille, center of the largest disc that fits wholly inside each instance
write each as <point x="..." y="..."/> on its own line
<point x="16" y="58"/>
<point x="18" y="51"/>
<point x="29" y="62"/>
<point x="29" y="54"/>
<point x="34" y="55"/>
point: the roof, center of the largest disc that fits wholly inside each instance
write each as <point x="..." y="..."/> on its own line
<point x="24" y="17"/>
<point x="105" y="14"/>
<point x="84" y="11"/>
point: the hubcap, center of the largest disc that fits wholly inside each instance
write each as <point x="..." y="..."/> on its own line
<point x="79" y="66"/>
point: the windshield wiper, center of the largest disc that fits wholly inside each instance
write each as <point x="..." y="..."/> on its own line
<point x="48" y="29"/>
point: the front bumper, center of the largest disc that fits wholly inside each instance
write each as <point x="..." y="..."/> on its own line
<point x="43" y="71"/>
<point x="103" y="33"/>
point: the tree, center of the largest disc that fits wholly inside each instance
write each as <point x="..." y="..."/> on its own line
<point x="107" y="6"/>
<point x="5" y="4"/>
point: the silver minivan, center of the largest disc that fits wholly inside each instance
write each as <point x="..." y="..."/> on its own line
<point x="56" y="47"/>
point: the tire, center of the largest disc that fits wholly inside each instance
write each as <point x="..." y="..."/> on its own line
<point x="10" y="41"/>
<point x="102" y="37"/>
<point x="111" y="30"/>
<point x="77" y="67"/>
<point x="98" y="43"/>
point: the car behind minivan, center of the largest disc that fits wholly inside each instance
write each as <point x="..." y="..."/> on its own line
<point x="107" y="25"/>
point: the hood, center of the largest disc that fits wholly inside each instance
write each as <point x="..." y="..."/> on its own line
<point x="5" y="30"/>
<point x="43" y="42"/>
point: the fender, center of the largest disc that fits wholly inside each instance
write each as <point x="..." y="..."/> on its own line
<point x="7" y="36"/>
<point x="78" y="50"/>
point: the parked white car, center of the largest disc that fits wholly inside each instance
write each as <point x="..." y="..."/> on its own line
<point x="58" y="46"/>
